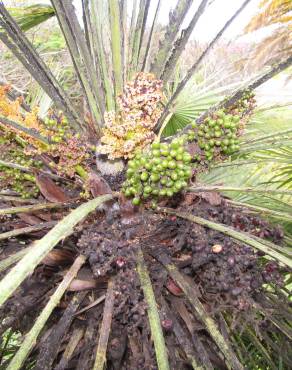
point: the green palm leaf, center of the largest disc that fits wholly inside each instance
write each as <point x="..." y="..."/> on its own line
<point x="31" y="16"/>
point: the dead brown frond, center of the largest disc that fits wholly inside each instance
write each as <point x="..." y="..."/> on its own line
<point x="278" y="44"/>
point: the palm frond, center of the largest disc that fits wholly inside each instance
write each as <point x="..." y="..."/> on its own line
<point x="116" y="39"/>
<point x="19" y="44"/>
<point x="101" y="58"/>
<point x="234" y="234"/>
<point x="153" y="315"/>
<point x="30" y="132"/>
<point x="194" y="100"/>
<point x="26" y="230"/>
<point x="271" y="11"/>
<point x="137" y="37"/>
<point x="265" y="168"/>
<point x="31" y="16"/>
<point x="80" y="55"/>
<point x="100" y="357"/>
<point x="175" y="20"/>
<point x="180" y="43"/>
<point x="150" y="37"/>
<point x="41" y="248"/>
<point x="192" y="296"/>
<point x="278" y="43"/>
<point x="194" y="67"/>
<point x="105" y="52"/>
<point x="30" y="338"/>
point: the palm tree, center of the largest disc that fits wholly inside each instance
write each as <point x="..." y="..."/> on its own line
<point x="193" y="279"/>
<point x="277" y="44"/>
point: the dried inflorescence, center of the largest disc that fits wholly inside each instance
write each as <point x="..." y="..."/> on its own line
<point x="13" y="111"/>
<point x="131" y="129"/>
<point x="67" y="150"/>
<point x="9" y="109"/>
<point x="69" y="154"/>
<point x="54" y="128"/>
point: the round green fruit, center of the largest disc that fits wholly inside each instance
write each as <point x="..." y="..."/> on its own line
<point x="174" y="176"/>
<point x="201" y="144"/>
<point x="171" y="164"/>
<point x="163" y="181"/>
<point x="157" y="160"/>
<point x="201" y="133"/>
<point x="127" y="192"/>
<point x="164" y="152"/>
<point x="217" y="134"/>
<point x="174" y="144"/>
<point x="155" y="145"/>
<point x="144" y="176"/>
<point x="181" y="173"/>
<point x="173" y="153"/>
<point x="188" y="173"/>
<point x="162" y="192"/>
<point x="164" y="163"/>
<point x="164" y="146"/>
<point x="156" y="153"/>
<point x="136" y="201"/>
<point x="154" y="177"/>
<point x="211" y="143"/>
<point x="148" y="166"/>
<point x="147" y="189"/>
<point x="178" y="185"/>
<point x="187" y="158"/>
<point x="130" y="172"/>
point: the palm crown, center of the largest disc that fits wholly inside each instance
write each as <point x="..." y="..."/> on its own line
<point x="201" y="266"/>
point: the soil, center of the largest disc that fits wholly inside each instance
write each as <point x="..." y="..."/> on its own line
<point x="229" y="279"/>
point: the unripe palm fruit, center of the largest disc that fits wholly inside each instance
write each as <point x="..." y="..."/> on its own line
<point x="144" y="176"/>
<point x="136" y="201"/>
<point x="172" y="164"/>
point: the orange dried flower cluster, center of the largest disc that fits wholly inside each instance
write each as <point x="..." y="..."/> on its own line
<point x="52" y="129"/>
<point x="131" y="129"/>
<point x="68" y="151"/>
<point x="12" y="110"/>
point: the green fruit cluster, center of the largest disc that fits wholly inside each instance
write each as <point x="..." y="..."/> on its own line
<point x="246" y="99"/>
<point x="19" y="181"/>
<point x="59" y="127"/>
<point x="14" y="178"/>
<point x="218" y="134"/>
<point x="161" y="172"/>
<point x="244" y="104"/>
